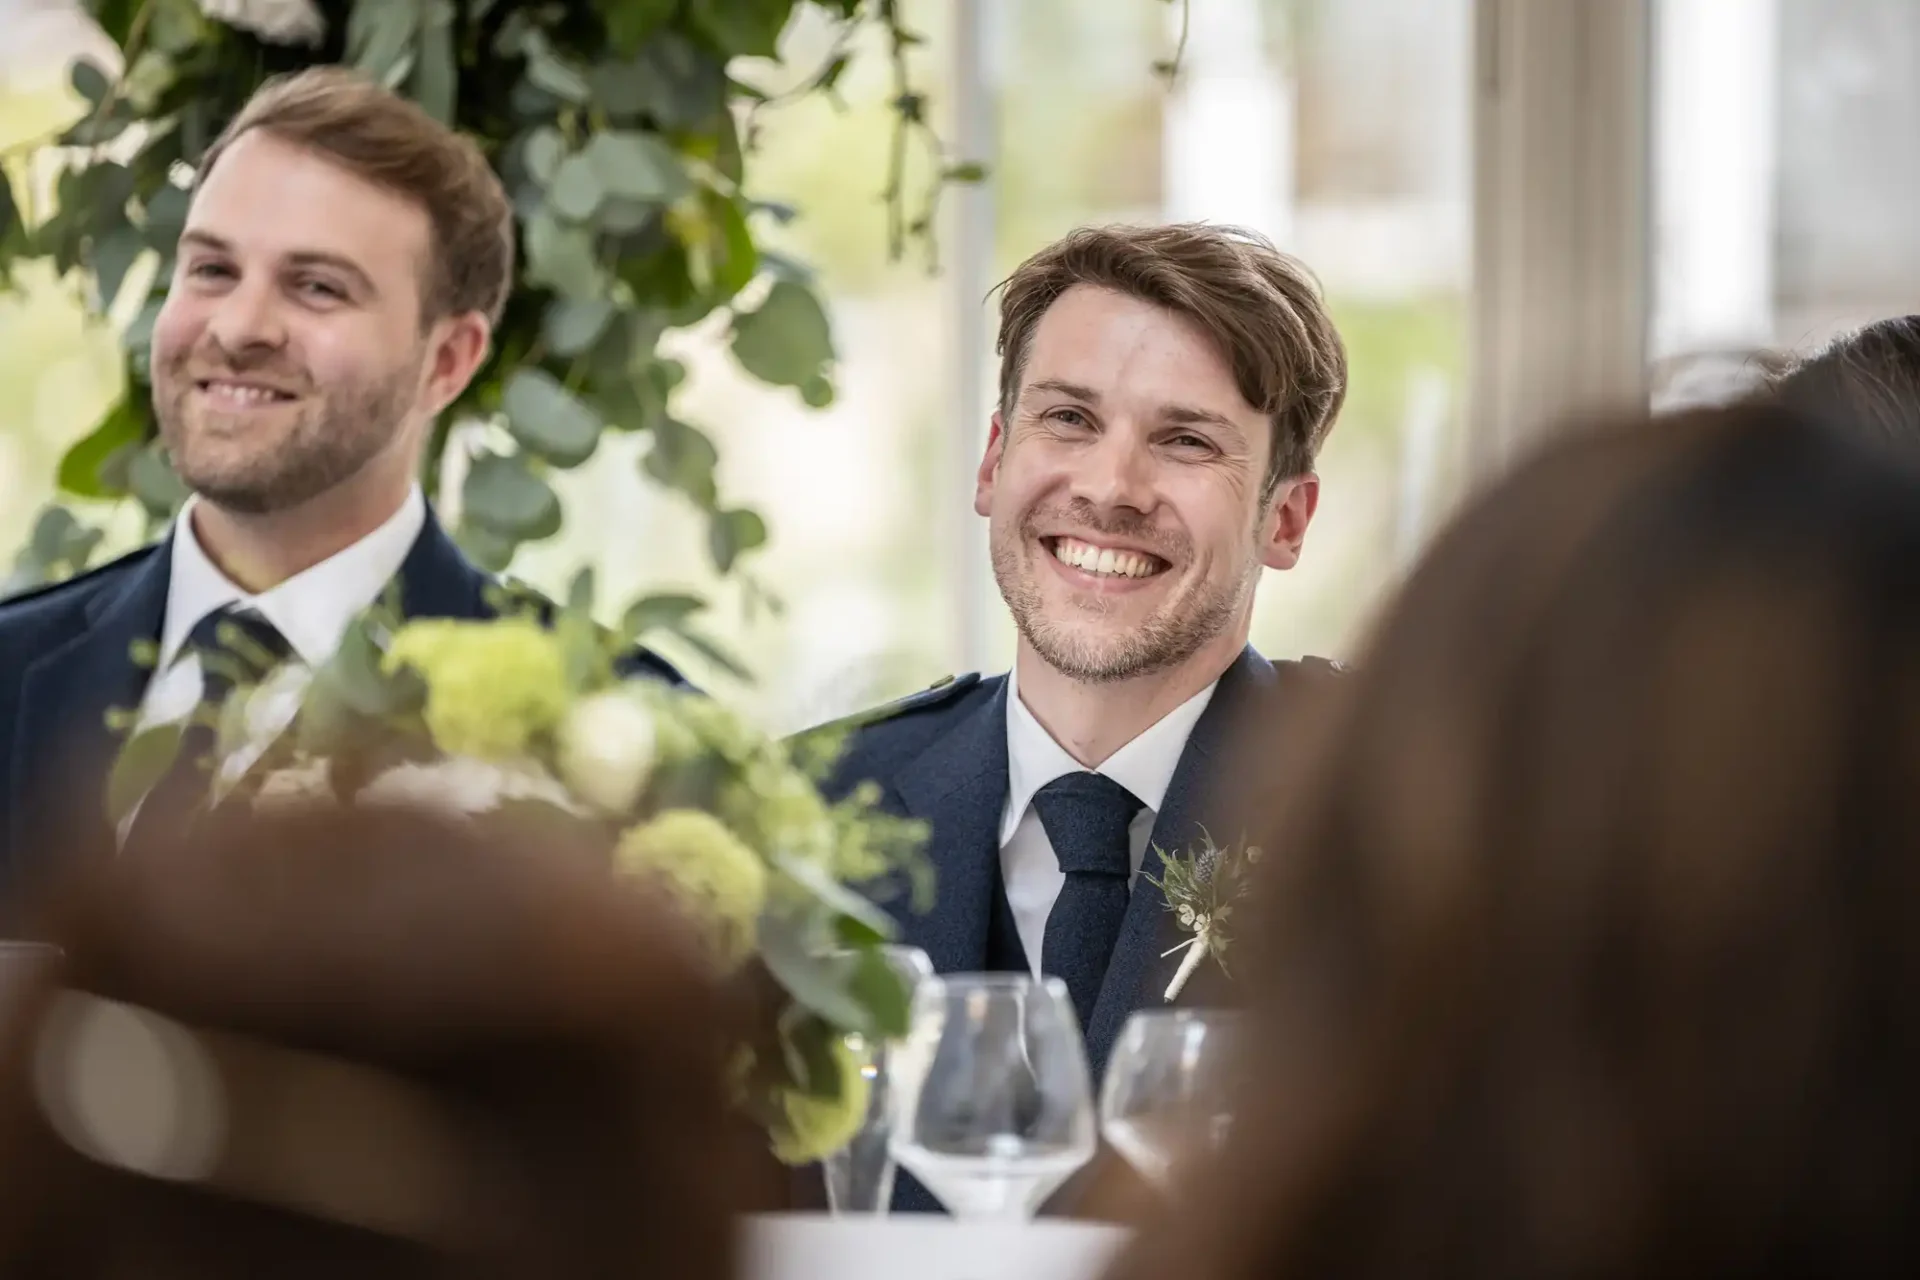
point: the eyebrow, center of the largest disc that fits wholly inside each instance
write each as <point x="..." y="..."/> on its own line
<point x="299" y="258"/>
<point x="1173" y="414"/>
<point x="1061" y="387"/>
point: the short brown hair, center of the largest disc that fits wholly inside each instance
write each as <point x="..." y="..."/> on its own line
<point x="384" y="139"/>
<point x="1262" y="307"/>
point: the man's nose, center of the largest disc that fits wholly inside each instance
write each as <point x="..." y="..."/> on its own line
<point x="248" y="318"/>
<point x="1116" y="472"/>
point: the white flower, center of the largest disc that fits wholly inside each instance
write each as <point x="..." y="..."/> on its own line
<point x="275" y="21"/>
<point x="302" y="786"/>
<point x="462" y="786"/>
<point x="605" y="751"/>
<point x="1186" y="916"/>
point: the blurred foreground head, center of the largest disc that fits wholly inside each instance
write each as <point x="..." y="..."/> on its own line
<point x="366" y="1045"/>
<point x="1592" y="936"/>
<point x="1869" y="378"/>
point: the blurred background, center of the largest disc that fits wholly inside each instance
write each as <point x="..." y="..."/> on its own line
<point x="1492" y="191"/>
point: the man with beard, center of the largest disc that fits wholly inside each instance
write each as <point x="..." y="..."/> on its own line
<point x="343" y="265"/>
<point x="1163" y="393"/>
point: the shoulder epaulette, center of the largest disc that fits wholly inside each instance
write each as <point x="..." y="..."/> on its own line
<point x="937" y="694"/>
<point x="78" y="580"/>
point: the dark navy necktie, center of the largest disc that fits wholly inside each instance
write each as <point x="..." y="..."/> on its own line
<point x="233" y="645"/>
<point x="1086" y="817"/>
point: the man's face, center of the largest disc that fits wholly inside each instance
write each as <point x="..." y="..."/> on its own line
<point x="289" y="356"/>
<point x="1124" y="494"/>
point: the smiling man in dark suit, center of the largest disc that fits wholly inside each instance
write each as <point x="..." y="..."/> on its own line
<point x="1163" y="394"/>
<point x="344" y="261"/>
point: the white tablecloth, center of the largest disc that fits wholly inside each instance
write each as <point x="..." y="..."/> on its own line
<point x="924" y="1247"/>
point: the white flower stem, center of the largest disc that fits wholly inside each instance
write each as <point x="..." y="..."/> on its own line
<point x="1196" y="952"/>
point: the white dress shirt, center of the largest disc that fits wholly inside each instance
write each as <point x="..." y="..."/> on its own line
<point x="1143" y="766"/>
<point x="312" y="610"/>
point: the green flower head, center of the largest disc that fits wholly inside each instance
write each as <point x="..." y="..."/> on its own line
<point x="492" y="687"/>
<point x="709" y="870"/>
<point x="807" y="1128"/>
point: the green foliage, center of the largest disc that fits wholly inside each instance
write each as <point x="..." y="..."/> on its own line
<point x="612" y="126"/>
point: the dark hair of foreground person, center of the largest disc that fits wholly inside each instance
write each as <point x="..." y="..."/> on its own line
<point x="363" y="1044"/>
<point x="1590" y="937"/>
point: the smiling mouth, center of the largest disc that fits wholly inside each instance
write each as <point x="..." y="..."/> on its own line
<point x="241" y="395"/>
<point x="1104" y="562"/>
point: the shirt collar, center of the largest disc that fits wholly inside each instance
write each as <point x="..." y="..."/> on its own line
<point x="311" y="609"/>
<point x="1143" y="766"/>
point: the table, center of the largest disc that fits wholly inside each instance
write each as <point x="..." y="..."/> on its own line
<point x="802" y="1246"/>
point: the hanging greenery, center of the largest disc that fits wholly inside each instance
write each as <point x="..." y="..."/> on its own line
<point x="623" y="143"/>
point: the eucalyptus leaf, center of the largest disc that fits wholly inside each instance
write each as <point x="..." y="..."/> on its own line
<point x="684" y="458"/>
<point x="744" y="28"/>
<point x="436" y="72"/>
<point x="90" y="82"/>
<point x="491" y="550"/>
<point x="889" y="1002"/>
<point x="630" y="22"/>
<point x="807" y="1045"/>
<point x="787" y="340"/>
<point x="572" y="326"/>
<point x="543" y="151"/>
<point x="548" y="71"/>
<point x="576" y="190"/>
<point x="833" y="895"/>
<point x="637" y="166"/>
<point x="731" y="534"/>
<point x="113" y="257"/>
<point x="9" y="215"/>
<point x="664" y="610"/>
<point x="547" y="418"/>
<point x="165" y="217"/>
<point x="687" y="86"/>
<point x="80" y="467"/>
<point x="379" y="33"/>
<point x="502" y="494"/>
<point x="735" y="260"/>
<point x="143" y="761"/>
<point x="809" y="977"/>
<point x="562" y="258"/>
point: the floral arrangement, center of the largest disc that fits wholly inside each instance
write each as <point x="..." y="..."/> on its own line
<point x="527" y="717"/>
<point x="1202" y="887"/>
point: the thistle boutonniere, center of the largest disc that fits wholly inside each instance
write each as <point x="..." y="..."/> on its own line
<point x="1202" y="887"/>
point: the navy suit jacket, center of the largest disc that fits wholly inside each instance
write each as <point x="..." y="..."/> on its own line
<point x="941" y="756"/>
<point x="66" y="659"/>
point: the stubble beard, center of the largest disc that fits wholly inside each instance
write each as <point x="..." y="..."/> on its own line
<point x="1175" y="632"/>
<point x="332" y="438"/>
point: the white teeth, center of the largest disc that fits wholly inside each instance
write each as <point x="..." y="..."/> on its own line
<point x="238" y="394"/>
<point x="1103" y="561"/>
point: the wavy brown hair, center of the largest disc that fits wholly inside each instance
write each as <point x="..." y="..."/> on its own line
<point x="1591" y="933"/>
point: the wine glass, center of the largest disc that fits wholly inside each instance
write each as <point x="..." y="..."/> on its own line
<point x="1167" y="1088"/>
<point x="859" y="1176"/>
<point x="993" y="1106"/>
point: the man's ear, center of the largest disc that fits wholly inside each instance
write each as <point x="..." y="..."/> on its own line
<point x="1289" y="512"/>
<point x="989" y="469"/>
<point x="460" y="345"/>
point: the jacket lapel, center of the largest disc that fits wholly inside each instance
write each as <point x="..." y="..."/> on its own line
<point x="62" y="733"/>
<point x="1138" y="972"/>
<point x="959" y="786"/>
<point x="436" y="581"/>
